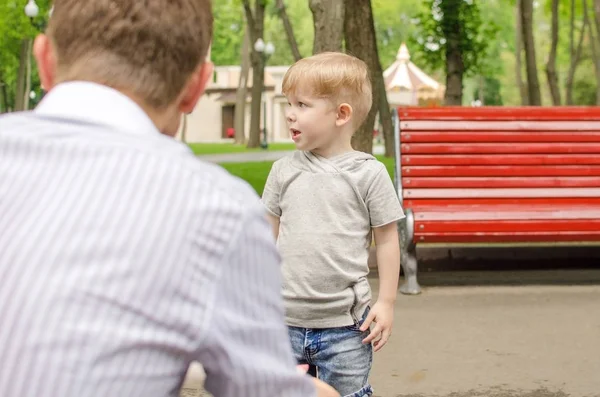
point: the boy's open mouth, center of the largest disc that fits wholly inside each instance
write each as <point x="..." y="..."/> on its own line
<point x="295" y="133"/>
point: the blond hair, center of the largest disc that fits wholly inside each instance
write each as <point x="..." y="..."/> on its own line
<point x="148" y="48"/>
<point x="336" y="76"/>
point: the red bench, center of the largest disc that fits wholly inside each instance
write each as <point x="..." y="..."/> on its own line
<point x="496" y="175"/>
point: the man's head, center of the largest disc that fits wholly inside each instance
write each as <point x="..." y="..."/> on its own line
<point x="329" y="97"/>
<point x="152" y="51"/>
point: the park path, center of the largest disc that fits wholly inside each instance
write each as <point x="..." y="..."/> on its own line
<point x="244" y="157"/>
<point x="473" y="339"/>
<point x="265" y="155"/>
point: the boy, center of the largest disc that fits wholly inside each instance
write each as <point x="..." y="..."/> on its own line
<point x="324" y="202"/>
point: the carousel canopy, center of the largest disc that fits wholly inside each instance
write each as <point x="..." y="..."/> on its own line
<point x="405" y="75"/>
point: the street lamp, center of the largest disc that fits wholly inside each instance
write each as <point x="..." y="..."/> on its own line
<point x="32" y="11"/>
<point x="265" y="50"/>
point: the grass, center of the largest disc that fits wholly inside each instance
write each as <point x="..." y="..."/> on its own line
<point x="256" y="173"/>
<point x="222" y="148"/>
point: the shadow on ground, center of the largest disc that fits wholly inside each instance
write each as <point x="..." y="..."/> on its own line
<point x="497" y="392"/>
<point x="483" y="266"/>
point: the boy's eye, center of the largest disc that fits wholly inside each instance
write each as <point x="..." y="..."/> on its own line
<point x="301" y="104"/>
<point x="289" y="104"/>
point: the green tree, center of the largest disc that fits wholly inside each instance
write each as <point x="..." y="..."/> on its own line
<point x="301" y="21"/>
<point x="452" y="33"/>
<point x="15" y="27"/>
<point x="394" y="25"/>
<point x="230" y="23"/>
<point x="228" y="36"/>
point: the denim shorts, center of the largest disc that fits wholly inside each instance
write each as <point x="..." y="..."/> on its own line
<point x="339" y="356"/>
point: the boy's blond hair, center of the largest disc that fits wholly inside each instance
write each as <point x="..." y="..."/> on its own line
<point x="147" y="48"/>
<point x="336" y="76"/>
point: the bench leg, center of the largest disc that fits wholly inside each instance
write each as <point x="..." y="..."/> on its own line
<point x="408" y="256"/>
<point x="409" y="265"/>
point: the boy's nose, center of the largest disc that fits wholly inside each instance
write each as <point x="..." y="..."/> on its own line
<point x="290" y="116"/>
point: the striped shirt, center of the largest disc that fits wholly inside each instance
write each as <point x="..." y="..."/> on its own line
<point x="123" y="258"/>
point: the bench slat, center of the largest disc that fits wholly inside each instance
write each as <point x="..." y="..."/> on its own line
<point x="497" y="159"/>
<point x="501" y="193"/>
<point x="525" y="170"/>
<point x="489" y="213"/>
<point x="499" y="182"/>
<point x="499" y="136"/>
<point x="502" y="203"/>
<point x="499" y="226"/>
<point x="514" y="236"/>
<point x="497" y="148"/>
<point x="467" y="125"/>
<point x="501" y="113"/>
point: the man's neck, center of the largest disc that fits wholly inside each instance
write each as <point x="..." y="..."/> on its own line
<point x="164" y="119"/>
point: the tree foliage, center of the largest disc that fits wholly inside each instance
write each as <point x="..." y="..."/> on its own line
<point x="475" y="38"/>
<point x="396" y="21"/>
<point x="14" y="27"/>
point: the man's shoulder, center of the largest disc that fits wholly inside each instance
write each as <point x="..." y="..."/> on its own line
<point x="227" y="187"/>
<point x="157" y="151"/>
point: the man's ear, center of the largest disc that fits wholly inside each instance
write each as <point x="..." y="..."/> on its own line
<point x="195" y="87"/>
<point x="46" y="61"/>
<point x="344" y="114"/>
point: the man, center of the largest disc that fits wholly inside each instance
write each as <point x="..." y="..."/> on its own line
<point x="122" y="257"/>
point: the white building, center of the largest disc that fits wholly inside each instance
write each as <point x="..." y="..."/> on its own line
<point x="213" y="118"/>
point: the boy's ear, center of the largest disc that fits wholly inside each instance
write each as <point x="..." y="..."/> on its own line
<point x="195" y="87"/>
<point x="344" y="114"/>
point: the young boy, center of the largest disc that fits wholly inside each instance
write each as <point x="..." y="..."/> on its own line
<point x="325" y="201"/>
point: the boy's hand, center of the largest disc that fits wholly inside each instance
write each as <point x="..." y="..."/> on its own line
<point x="382" y="314"/>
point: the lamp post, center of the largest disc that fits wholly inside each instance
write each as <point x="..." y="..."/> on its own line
<point x="32" y="10"/>
<point x="265" y="50"/>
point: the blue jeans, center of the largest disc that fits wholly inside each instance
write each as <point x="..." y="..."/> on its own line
<point x="340" y="357"/>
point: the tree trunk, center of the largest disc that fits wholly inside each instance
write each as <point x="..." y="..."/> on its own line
<point x="22" y="76"/>
<point x="519" y="56"/>
<point x="258" y="67"/>
<point x="359" y="29"/>
<point x="256" y="25"/>
<point x="533" y="84"/>
<point x="3" y="95"/>
<point x="594" y="47"/>
<point x="481" y="90"/>
<point x="455" y="67"/>
<point x="551" y="74"/>
<point x="239" y="123"/>
<point x="26" y="98"/>
<point x="385" y="115"/>
<point x="569" y="81"/>
<point x="328" y="19"/>
<point x="289" y="31"/>
<point x="597" y="18"/>
<point x="575" y="53"/>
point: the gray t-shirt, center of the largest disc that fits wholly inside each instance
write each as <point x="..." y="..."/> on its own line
<point x="327" y="208"/>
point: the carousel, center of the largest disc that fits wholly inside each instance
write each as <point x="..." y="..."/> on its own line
<point x="407" y="85"/>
